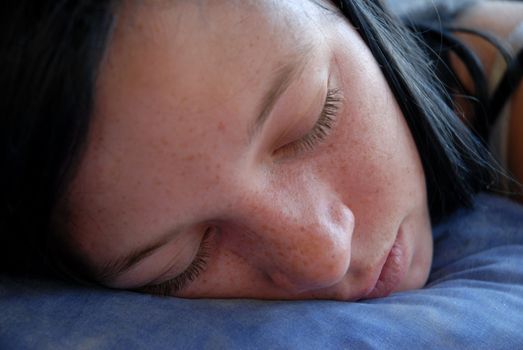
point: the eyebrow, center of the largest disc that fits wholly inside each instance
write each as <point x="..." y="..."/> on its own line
<point x="283" y="77"/>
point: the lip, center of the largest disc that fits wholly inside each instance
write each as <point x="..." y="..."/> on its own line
<point x="393" y="270"/>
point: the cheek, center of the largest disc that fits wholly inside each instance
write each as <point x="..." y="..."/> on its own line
<point x="372" y="162"/>
<point x="374" y="154"/>
<point x="373" y="151"/>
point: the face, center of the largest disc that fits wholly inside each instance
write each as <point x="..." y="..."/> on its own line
<point x="248" y="149"/>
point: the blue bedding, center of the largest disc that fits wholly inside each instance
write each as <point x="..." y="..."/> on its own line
<point x="473" y="300"/>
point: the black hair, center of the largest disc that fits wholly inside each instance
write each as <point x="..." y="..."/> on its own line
<point x="456" y="163"/>
<point x="50" y="60"/>
<point x="50" y="54"/>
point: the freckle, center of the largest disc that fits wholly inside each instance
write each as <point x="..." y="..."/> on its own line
<point x="266" y="254"/>
<point x="221" y="126"/>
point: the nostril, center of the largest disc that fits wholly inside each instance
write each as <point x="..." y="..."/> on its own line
<point x="282" y="281"/>
<point x="325" y="271"/>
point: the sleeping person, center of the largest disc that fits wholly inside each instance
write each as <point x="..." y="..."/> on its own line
<point x="297" y="149"/>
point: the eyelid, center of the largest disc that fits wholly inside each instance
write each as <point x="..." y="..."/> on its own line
<point x="191" y="273"/>
<point x="321" y="129"/>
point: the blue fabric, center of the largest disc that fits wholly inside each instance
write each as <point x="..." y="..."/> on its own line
<point x="474" y="300"/>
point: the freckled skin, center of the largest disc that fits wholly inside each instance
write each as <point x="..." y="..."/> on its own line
<point x="174" y="107"/>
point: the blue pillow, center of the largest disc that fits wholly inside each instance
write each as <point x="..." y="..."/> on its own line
<point x="473" y="300"/>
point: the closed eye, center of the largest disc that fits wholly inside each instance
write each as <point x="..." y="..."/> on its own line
<point x="178" y="283"/>
<point x="321" y="129"/>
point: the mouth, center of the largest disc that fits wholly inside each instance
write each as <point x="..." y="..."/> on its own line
<point x="393" y="270"/>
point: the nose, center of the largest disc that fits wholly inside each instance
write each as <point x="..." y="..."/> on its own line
<point x="300" y="241"/>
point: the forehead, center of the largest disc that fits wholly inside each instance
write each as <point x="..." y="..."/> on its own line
<point x="175" y="95"/>
<point x="199" y="58"/>
<point x="206" y="35"/>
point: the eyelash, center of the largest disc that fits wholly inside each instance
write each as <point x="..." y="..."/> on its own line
<point x="179" y="282"/>
<point x="317" y="134"/>
<point x="322" y="127"/>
